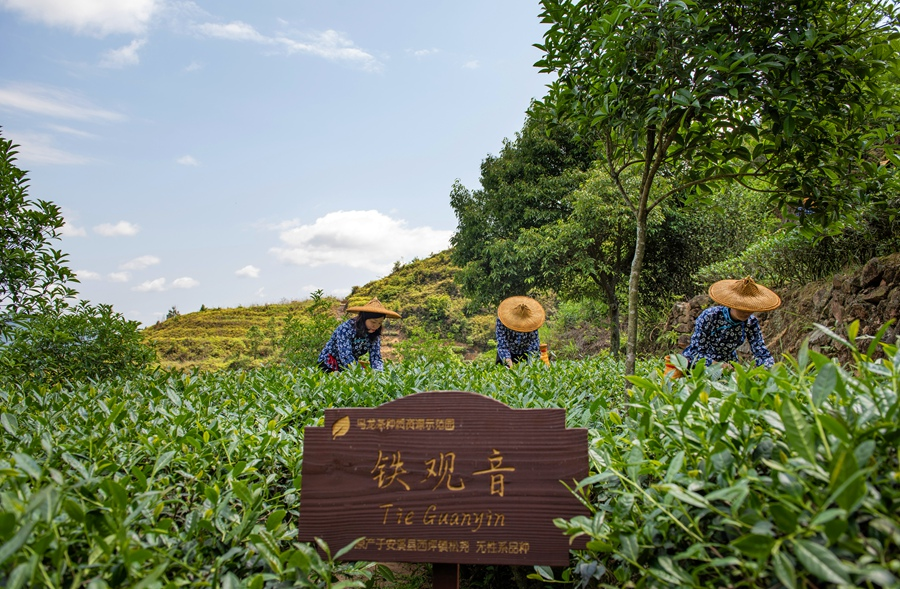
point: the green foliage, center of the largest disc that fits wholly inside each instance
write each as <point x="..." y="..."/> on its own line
<point x="785" y="477"/>
<point x="423" y="345"/>
<point x="302" y="340"/>
<point x="526" y="187"/>
<point x="43" y="337"/>
<point x="791" y="256"/>
<point x="193" y="479"/>
<point x="33" y="275"/>
<point x="790" y="99"/>
<point x="79" y="343"/>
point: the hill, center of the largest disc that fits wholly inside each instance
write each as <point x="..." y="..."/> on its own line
<point x="434" y="311"/>
<point x="422" y="291"/>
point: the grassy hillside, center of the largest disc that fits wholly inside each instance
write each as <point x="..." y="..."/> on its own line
<point x="213" y="339"/>
<point x="422" y="291"/>
<point x="434" y="312"/>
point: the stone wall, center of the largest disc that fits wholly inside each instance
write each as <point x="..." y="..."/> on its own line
<point x="870" y="294"/>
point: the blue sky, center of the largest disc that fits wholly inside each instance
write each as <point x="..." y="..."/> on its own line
<point x="236" y="153"/>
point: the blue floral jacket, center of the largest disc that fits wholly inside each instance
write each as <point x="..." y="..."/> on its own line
<point x="513" y="344"/>
<point x="346" y="348"/>
<point x="717" y="337"/>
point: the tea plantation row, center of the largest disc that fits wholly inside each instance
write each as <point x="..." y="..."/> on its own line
<point x="757" y="478"/>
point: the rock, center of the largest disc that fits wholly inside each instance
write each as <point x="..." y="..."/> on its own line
<point x="875" y="295"/>
<point x="821" y="298"/>
<point x="871" y="273"/>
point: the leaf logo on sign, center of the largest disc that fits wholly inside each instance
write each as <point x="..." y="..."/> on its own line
<point x="340" y="427"/>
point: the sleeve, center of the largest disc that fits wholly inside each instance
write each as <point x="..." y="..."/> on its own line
<point x="502" y="342"/>
<point x="534" y="344"/>
<point x="698" y="348"/>
<point x="343" y="342"/>
<point x="757" y="345"/>
<point x="375" y="355"/>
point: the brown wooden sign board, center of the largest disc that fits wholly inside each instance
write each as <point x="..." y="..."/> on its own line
<point x="443" y="477"/>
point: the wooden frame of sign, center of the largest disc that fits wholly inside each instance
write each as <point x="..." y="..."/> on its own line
<point x="443" y="477"/>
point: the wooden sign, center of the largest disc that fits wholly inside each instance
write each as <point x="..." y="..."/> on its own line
<point x="443" y="477"/>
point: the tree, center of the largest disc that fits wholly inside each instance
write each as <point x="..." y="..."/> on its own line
<point x="33" y="275"/>
<point x="783" y="97"/>
<point x="42" y="336"/>
<point x="523" y="188"/>
<point x="586" y="253"/>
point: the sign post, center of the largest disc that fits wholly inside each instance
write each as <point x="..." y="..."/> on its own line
<point x="443" y="477"/>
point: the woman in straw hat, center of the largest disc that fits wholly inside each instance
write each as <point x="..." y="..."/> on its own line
<point x="720" y="330"/>
<point x="518" y="320"/>
<point x="355" y="337"/>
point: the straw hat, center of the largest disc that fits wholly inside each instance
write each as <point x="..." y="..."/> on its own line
<point x="374" y="306"/>
<point x="744" y="295"/>
<point x="521" y="313"/>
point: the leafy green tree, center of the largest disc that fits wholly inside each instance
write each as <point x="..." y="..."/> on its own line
<point x="42" y="336"/>
<point x="587" y="253"/>
<point x="784" y="97"/>
<point x="33" y="275"/>
<point x="525" y="187"/>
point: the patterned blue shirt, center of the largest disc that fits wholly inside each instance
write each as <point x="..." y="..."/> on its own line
<point x="347" y="348"/>
<point x="512" y="343"/>
<point x="717" y="337"/>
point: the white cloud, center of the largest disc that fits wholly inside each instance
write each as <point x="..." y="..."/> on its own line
<point x="123" y="56"/>
<point x="185" y="282"/>
<point x="193" y="66"/>
<point x="87" y="275"/>
<point x="122" y="228"/>
<point x="156" y="285"/>
<point x="423" y="52"/>
<point x="38" y="148"/>
<point x="329" y="44"/>
<point x="187" y="160"/>
<point x="233" y="31"/>
<point x="471" y="65"/>
<point x="248" y="271"/>
<point x="94" y="17"/>
<point x="71" y="131"/>
<point x="119" y="276"/>
<point x="70" y="230"/>
<point x="53" y="102"/>
<point x="140" y="263"/>
<point x="359" y="239"/>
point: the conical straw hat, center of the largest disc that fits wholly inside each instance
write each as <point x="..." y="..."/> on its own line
<point x="744" y="295"/>
<point x="521" y="313"/>
<point x="374" y="306"/>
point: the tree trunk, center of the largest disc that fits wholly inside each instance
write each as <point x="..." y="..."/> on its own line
<point x="640" y="246"/>
<point x="615" y="337"/>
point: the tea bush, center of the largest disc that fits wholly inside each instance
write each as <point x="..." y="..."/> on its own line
<point x="760" y="478"/>
<point x="172" y="479"/>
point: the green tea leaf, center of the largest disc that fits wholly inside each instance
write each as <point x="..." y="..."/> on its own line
<point x="275" y="518"/>
<point x="162" y="461"/>
<point x="784" y="570"/>
<point x="847" y="481"/>
<point x="17" y="541"/>
<point x="835" y="427"/>
<point x="797" y="431"/>
<point x="821" y="562"/>
<point x="10" y="424"/>
<point x="28" y="465"/>
<point x="824" y="384"/>
<point x="754" y="545"/>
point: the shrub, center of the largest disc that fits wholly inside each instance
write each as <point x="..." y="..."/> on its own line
<point x="783" y="477"/>
<point x="79" y="343"/>
<point x="303" y="338"/>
